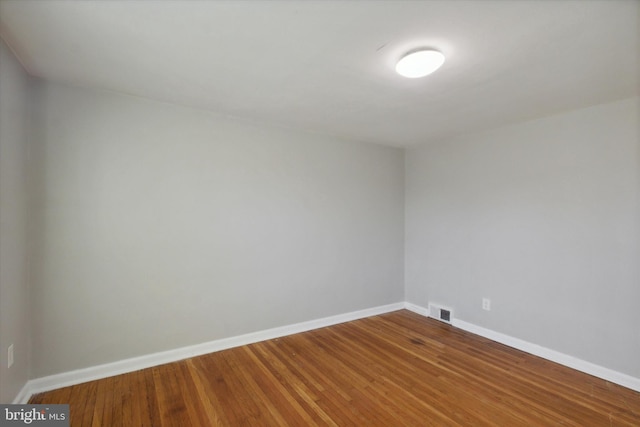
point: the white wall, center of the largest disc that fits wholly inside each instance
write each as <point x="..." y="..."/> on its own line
<point x="542" y="217"/>
<point x="14" y="181"/>
<point x="163" y="226"/>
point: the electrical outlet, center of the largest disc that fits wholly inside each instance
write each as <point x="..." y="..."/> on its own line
<point x="10" y="356"/>
<point x="486" y="304"/>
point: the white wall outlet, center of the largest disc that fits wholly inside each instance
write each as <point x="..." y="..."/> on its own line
<point x="486" y="304"/>
<point x="10" y="356"/>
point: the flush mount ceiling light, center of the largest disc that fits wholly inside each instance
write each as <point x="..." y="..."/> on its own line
<point x="419" y="63"/>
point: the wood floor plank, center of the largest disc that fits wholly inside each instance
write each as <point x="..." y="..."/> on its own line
<point x="280" y="396"/>
<point x="394" y="369"/>
<point x="303" y="394"/>
<point x="310" y="365"/>
<point x="170" y="399"/>
<point x="82" y="403"/>
<point x="211" y="370"/>
<point x="211" y="404"/>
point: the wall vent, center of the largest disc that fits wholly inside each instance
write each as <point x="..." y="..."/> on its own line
<point x="440" y="313"/>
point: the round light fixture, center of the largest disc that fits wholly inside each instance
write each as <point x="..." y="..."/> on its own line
<point x="419" y="63"/>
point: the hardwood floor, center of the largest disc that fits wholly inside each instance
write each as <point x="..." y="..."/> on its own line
<point x="397" y="369"/>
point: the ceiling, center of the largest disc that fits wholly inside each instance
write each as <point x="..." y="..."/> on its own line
<point x="328" y="66"/>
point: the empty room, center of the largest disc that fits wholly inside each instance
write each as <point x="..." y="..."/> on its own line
<point x="347" y="213"/>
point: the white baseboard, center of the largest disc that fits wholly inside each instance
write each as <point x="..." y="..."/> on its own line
<point x="417" y="309"/>
<point x="129" y="365"/>
<point x="546" y="353"/>
<point x="23" y="396"/>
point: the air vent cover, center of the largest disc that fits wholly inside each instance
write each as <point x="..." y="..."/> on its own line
<point x="441" y="313"/>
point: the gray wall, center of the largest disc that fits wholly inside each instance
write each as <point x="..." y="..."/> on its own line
<point x="162" y="226"/>
<point x="155" y="226"/>
<point x="14" y="181"/>
<point x="542" y="217"/>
